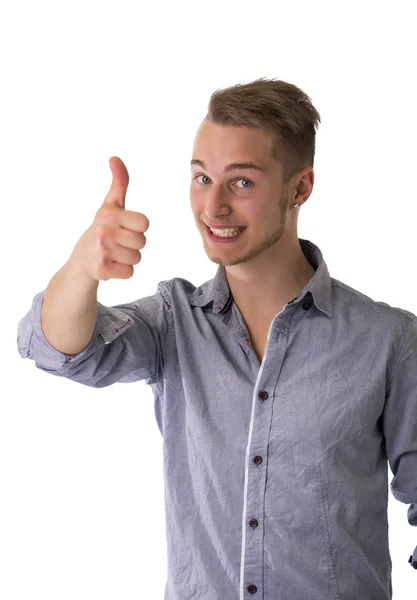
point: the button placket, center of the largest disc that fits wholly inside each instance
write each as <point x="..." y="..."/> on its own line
<point x="254" y="523"/>
<point x="263" y="395"/>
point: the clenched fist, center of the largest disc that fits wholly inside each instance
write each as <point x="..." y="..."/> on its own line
<point x="110" y="246"/>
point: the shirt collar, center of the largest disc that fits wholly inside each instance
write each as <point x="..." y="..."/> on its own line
<point x="319" y="287"/>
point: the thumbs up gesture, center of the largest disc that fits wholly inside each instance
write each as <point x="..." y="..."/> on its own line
<point x="110" y="246"/>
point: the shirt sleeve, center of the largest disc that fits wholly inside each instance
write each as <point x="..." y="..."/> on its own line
<point x="127" y="344"/>
<point x="400" y="421"/>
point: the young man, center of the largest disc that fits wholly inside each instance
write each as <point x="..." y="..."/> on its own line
<point x="280" y="392"/>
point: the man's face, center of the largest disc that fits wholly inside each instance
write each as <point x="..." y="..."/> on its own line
<point x="243" y="196"/>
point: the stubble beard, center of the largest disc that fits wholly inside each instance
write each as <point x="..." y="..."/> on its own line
<point x="263" y="246"/>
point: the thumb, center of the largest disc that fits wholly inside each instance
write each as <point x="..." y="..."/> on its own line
<point x="117" y="192"/>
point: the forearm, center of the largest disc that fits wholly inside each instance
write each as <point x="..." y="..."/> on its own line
<point x="69" y="310"/>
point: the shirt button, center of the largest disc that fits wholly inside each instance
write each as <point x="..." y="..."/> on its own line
<point x="306" y="305"/>
<point x="263" y="395"/>
<point x="257" y="460"/>
<point x="253" y="523"/>
<point x="252" y="589"/>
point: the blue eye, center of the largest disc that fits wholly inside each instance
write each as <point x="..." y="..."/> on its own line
<point x="197" y="176"/>
<point x="240" y="179"/>
<point x="243" y="179"/>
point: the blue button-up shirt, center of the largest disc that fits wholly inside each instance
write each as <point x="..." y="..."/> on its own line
<point x="276" y="473"/>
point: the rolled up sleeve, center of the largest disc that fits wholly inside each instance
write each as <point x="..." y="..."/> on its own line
<point x="126" y="345"/>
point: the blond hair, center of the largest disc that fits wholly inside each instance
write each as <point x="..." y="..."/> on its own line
<point x="274" y="106"/>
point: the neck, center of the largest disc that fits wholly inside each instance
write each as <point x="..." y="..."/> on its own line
<point x="268" y="283"/>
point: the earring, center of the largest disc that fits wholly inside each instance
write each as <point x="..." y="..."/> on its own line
<point x="296" y="205"/>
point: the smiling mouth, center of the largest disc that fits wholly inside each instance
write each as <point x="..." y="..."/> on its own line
<point x="224" y="234"/>
<point x="231" y="228"/>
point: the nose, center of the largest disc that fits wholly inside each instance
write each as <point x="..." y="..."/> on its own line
<point x="216" y="203"/>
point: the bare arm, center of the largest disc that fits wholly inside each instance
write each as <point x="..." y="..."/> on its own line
<point x="69" y="310"/>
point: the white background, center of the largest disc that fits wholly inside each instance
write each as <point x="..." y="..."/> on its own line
<point x="81" y="499"/>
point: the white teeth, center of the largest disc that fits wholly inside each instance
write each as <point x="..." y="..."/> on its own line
<point x="227" y="232"/>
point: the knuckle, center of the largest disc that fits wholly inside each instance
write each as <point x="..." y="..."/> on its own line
<point x="102" y="231"/>
<point x="107" y="215"/>
<point x="140" y="222"/>
<point x="139" y="241"/>
<point x="145" y="222"/>
<point x="106" y="237"/>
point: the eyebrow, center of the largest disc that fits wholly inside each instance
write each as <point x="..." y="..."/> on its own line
<point x="231" y="167"/>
